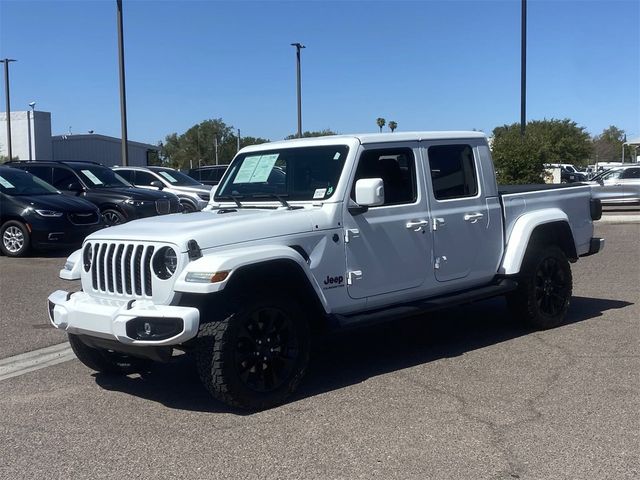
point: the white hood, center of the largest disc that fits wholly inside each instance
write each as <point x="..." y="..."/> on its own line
<point x="211" y="228"/>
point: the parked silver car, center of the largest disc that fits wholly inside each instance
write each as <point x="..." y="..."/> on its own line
<point x="193" y="195"/>
<point x="618" y="185"/>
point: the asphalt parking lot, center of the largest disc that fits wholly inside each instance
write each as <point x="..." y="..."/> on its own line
<point x="462" y="394"/>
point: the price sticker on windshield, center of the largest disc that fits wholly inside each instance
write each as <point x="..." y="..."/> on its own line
<point x="168" y="176"/>
<point x="256" y="169"/>
<point x="6" y="183"/>
<point x="90" y="175"/>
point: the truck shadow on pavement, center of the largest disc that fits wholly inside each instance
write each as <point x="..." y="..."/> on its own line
<point x="351" y="357"/>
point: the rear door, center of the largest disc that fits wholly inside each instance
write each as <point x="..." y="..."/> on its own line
<point x="466" y="226"/>
<point x="631" y="183"/>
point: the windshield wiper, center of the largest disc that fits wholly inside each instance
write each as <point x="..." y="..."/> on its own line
<point x="235" y="198"/>
<point x="280" y="198"/>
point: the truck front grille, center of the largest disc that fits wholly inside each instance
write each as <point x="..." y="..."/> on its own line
<point x="122" y="268"/>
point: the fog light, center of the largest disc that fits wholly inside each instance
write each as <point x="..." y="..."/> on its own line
<point x="154" y="329"/>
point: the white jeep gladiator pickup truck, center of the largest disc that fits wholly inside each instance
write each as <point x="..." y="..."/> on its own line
<point x="309" y="235"/>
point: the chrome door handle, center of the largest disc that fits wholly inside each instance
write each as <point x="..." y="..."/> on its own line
<point x="473" y="217"/>
<point x="417" y="225"/>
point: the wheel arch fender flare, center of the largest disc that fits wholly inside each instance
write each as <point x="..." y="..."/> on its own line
<point x="551" y="221"/>
<point x="239" y="263"/>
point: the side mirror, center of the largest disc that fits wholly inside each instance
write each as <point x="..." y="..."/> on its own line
<point x="75" y="187"/>
<point x="369" y="192"/>
<point x="158" y="184"/>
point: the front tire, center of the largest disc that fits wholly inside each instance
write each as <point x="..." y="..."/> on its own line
<point x="256" y="357"/>
<point x="545" y="287"/>
<point x="15" y="240"/>
<point x="105" y="361"/>
<point x="113" y="217"/>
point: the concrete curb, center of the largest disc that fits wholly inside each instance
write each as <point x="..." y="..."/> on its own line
<point x="28" y="362"/>
<point x="619" y="219"/>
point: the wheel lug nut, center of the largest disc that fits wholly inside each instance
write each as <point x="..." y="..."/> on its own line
<point x="264" y="358"/>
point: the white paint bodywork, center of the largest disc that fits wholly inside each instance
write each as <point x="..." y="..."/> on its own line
<point x="384" y="256"/>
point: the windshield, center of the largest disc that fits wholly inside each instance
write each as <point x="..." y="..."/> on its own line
<point x="178" y="178"/>
<point x="102" y="177"/>
<point x="305" y="173"/>
<point x="610" y="174"/>
<point x="18" y="182"/>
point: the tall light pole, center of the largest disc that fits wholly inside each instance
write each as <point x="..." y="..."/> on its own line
<point x="29" y="134"/>
<point x="123" y="94"/>
<point x="523" y="70"/>
<point x="6" y="62"/>
<point x="298" y="47"/>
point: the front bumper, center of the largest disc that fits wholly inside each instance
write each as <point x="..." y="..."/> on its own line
<point x="126" y="322"/>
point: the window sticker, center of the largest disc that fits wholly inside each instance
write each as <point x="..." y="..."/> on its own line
<point x="256" y="169"/>
<point x="168" y="176"/>
<point x="319" y="193"/>
<point x="92" y="177"/>
<point x="336" y="156"/>
<point x="6" y="183"/>
<point x="329" y="190"/>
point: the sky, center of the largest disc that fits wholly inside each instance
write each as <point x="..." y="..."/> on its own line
<point x="428" y="65"/>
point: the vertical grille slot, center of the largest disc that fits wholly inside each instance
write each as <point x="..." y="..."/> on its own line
<point x="109" y="267"/>
<point x="137" y="270"/>
<point x="94" y="269"/>
<point x="101" y="266"/>
<point x="147" y="271"/>
<point x="127" y="269"/>
<point x="118" y="268"/>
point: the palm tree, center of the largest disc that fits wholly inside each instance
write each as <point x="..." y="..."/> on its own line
<point x="393" y="125"/>
<point x="381" y="122"/>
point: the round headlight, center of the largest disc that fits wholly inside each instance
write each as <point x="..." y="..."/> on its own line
<point x="165" y="263"/>
<point x="87" y="257"/>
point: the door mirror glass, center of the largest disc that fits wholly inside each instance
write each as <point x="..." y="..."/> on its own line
<point x="75" y="187"/>
<point x="158" y="184"/>
<point x="370" y="192"/>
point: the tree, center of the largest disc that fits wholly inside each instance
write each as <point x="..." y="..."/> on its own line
<point x="521" y="159"/>
<point x="392" y="126"/>
<point x="197" y="145"/>
<point x="315" y="133"/>
<point x="381" y="123"/>
<point x="607" y="147"/>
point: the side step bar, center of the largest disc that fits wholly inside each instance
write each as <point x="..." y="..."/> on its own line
<point x="503" y="286"/>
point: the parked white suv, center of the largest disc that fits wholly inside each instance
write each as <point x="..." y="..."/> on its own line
<point x="193" y="195"/>
<point x="311" y="235"/>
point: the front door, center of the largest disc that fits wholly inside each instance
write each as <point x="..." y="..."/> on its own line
<point x="388" y="246"/>
<point x="466" y="239"/>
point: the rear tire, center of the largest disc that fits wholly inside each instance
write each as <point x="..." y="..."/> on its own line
<point x="545" y="287"/>
<point x="255" y="358"/>
<point x="15" y="240"/>
<point x="105" y="361"/>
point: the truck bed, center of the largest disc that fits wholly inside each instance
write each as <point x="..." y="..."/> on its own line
<point x="571" y="198"/>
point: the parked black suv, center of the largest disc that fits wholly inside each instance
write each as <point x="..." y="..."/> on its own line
<point x="117" y="199"/>
<point x="209" y="174"/>
<point x="35" y="215"/>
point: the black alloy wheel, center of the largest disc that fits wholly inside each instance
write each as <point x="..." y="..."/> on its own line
<point x="545" y="285"/>
<point x="267" y="349"/>
<point x="551" y="287"/>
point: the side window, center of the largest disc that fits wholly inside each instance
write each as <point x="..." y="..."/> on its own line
<point x="631" y="173"/>
<point x="453" y="173"/>
<point x="397" y="169"/>
<point x="144" y="178"/>
<point x="126" y="174"/>
<point x="62" y="178"/>
<point x="43" y="173"/>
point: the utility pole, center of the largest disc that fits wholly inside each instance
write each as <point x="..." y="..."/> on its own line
<point x="123" y="94"/>
<point x="6" y="62"/>
<point x="298" y="47"/>
<point x="238" y="145"/>
<point x="215" y="145"/>
<point x="523" y="70"/>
